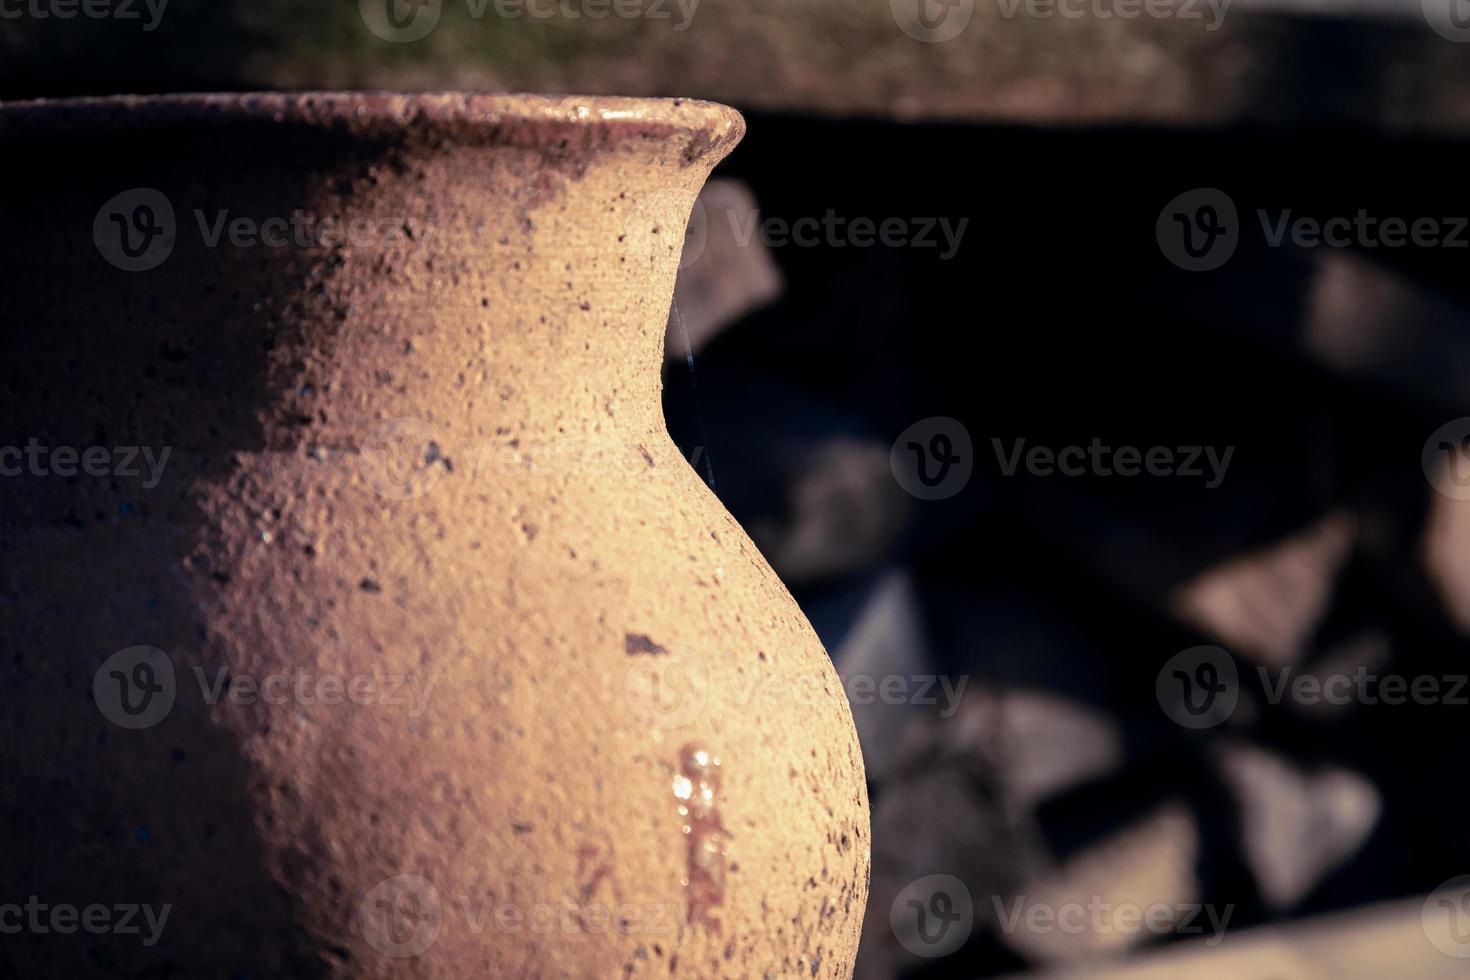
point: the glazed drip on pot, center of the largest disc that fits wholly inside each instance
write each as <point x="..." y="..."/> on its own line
<point x="697" y="788"/>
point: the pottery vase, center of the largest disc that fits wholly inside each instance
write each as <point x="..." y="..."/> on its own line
<point x="360" y="617"/>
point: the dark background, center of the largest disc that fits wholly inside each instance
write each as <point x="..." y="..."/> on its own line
<point x="1060" y="319"/>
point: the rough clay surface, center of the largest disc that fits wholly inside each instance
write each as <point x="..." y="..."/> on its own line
<point x="436" y="455"/>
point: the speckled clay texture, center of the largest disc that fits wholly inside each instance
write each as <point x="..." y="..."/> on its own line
<point x="430" y="454"/>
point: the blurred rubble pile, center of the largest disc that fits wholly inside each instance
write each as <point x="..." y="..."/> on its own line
<point x="1049" y="604"/>
<point x="1045" y="769"/>
<point x="1378" y="63"/>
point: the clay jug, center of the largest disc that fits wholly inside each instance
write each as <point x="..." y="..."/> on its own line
<point x="360" y="617"/>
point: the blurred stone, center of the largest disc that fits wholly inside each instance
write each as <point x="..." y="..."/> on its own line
<point x="1023" y="62"/>
<point x="1266" y="604"/>
<point x="887" y="640"/>
<point x="1297" y="826"/>
<point x="941" y="812"/>
<point x="844" y="513"/>
<point x="1041" y="743"/>
<point x="1150" y="863"/>
<point x="1446" y="551"/>
<point x="1367" y="320"/>
<point x="726" y="270"/>
<point x="1369" y="650"/>
<point x="1364" y="944"/>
